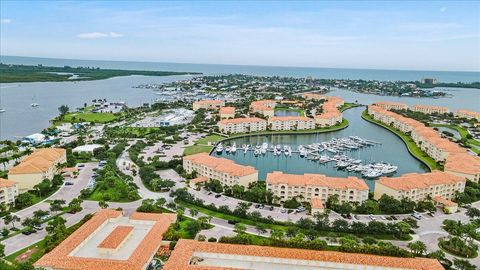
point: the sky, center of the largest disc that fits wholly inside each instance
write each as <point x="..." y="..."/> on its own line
<point x="422" y="35"/>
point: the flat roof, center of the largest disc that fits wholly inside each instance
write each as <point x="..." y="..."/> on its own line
<point x="191" y="254"/>
<point x="131" y="242"/>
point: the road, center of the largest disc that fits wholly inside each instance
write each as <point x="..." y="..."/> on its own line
<point x="429" y="231"/>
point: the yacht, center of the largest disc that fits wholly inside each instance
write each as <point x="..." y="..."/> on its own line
<point x="34" y="104"/>
<point x="256" y="152"/>
<point x="228" y="149"/>
<point x="2" y="110"/>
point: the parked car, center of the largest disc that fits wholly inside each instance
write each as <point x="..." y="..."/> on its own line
<point x="283" y="210"/>
<point x="218" y="195"/>
<point x="432" y="214"/>
<point x="262" y="206"/>
<point x="68" y="183"/>
<point x="300" y="209"/>
<point x="38" y="227"/>
<point x="233" y="222"/>
<point x="417" y="215"/>
<point x="271" y="208"/>
<point x="356" y="217"/>
<point x="349" y="216"/>
<point x="372" y="217"/>
<point x="43" y="218"/>
<point x="393" y="217"/>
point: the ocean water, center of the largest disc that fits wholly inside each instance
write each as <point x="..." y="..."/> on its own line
<point x="324" y="73"/>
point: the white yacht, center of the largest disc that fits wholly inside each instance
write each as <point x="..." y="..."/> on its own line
<point x="219" y="148"/>
<point x="34" y="105"/>
<point x="2" y="110"/>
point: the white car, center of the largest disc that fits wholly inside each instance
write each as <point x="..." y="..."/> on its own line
<point x="372" y="217"/>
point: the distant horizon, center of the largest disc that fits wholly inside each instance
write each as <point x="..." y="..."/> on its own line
<point x="244" y="65"/>
<point x="380" y="35"/>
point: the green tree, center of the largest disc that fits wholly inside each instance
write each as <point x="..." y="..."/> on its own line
<point x="418" y="247"/>
<point x="63" y="109"/>
<point x="462" y="264"/>
<point x="103" y="204"/>
<point x="240" y="228"/>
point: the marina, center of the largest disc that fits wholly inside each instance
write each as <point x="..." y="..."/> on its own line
<point x="362" y="149"/>
<point x="334" y="151"/>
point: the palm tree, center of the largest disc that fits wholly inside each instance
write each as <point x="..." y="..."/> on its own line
<point x="417" y="247"/>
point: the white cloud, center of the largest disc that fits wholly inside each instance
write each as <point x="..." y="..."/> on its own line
<point x="5" y="21"/>
<point x="443" y="9"/>
<point x="95" y="35"/>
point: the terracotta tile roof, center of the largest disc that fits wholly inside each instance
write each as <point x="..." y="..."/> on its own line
<point x="411" y="181"/>
<point x="4" y="183"/>
<point x="241" y="120"/>
<point x="330" y="108"/>
<point x="221" y="164"/>
<point x="185" y="249"/>
<point x="227" y="110"/>
<point x="39" y="161"/>
<point x="209" y="102"/>
<point x="116" y="237"/>
<point x="317" y="203"/>
<point x="70" y="169"/>
<point x="469" y="113"/>
<point x="444" y="201"/>
<point x="350" y="182"/>
<point x="463" y="163"/>
<point x="290" y="118"/>
<point x="200" y="179"/>
<point x="263" y="105"/>
<point x="60" y="258"/>
<point x="429" y="107"/>
<point x="390" y="103"/>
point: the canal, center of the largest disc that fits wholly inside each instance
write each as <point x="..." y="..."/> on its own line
<point x="391" y="150"/>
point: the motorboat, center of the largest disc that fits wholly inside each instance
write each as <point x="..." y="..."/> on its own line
<point x="2" y="110"/>
<point x="219" y="148"/>
<point x="34" y="105"/>
<point x="256" y="152"/>
<point x="228" y="149"/>
<point x="233" y="149"/>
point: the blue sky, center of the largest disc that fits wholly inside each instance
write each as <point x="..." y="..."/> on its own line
<point x="360" y="34"/>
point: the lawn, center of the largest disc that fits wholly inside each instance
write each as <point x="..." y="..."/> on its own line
<point x="298" y="110"/>
<point x="195" y="149"/>
<point x="89" y="117"/>
<point x="412" y="147"/>
<point x="210" y="138"/>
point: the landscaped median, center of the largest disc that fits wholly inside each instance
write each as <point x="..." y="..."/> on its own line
<point x="411" y="146"/>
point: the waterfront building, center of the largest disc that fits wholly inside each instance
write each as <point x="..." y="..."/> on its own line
<point x="110" y="241"/>
<point x="191" y="254"/>
<point x="41" y="164"/>
<point x="224" y="170"/>
<point x="263" y="107"/>
<point x="227" y="112"/>
<point x="448" y="205"/>
<point x="328" y="119"/>
<point x="290" y="123"/>
<point x="418" y="187"/>
<point x="308" y="186"/>
<point x="428" y="109"/>
<point x="464" y="165"/>
<point x="242" y="125"/>
<point x="8" y="191"/>
<point x="467" y="114"/>
<point x="438" y="148"/>
<point x="388" y="105"/>
<point x="208" y="104"/>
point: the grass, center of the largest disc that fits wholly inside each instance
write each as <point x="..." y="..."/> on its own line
<point x="347" y="106"/>
<point x="201" y="145"/>
<point x="209" y="139"/>
<point x="195" y="149"/>
<point x="411" y="146"/>
<point x="89" y="117"/>
<point x="273" y="226"/>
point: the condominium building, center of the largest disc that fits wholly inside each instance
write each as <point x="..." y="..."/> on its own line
<point x="467" y="114"/>
<point x="110" y="241"/>
<point x="457" y="160"/>
<point x="8" y="191"/>
<point x="428" y="109"/>
<point x="191" y="254"/>
<point x="41" y="164"/>
<point x="330" y="115"/>
<point x="263" y="107"/>
<point x="226" y="171"/>
<point x="208" y="104"/>
<point x="290" y="123"/>
<point x="242" y="125"/>
<point x="418" y="187"/>
<point x="388" y="105"/>
<point x="308" y="186"/>
<point x="227" y="112"/>
<point x="463" y="165"/>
